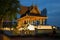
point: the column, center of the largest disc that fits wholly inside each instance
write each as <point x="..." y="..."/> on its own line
<point x="40" y="21"/>
<point x="43" y="21"/>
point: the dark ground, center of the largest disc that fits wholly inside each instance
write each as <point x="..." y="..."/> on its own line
<point x="29" y="37"/>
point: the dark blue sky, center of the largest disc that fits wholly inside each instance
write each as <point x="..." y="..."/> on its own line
<point x="53" y="9"/>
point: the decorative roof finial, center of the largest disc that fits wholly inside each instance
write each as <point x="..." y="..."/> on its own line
<point x="34" y="2"/>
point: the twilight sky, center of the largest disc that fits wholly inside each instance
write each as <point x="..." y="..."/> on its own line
<point x="53" y="9"/>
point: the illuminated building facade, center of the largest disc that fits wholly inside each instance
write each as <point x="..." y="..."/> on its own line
<point x="31" y="15"/>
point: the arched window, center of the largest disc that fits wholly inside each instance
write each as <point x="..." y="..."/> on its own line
<point x="37" y="22"/>
<point x="25" y="22"/>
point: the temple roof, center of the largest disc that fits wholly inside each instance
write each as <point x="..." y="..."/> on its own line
<point x="35" y="10"/>
<point x="23" y="9"/>
<point x="32" y="9"/>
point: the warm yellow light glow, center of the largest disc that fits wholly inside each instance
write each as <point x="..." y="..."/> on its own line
<point x="54" y="27"/>
<point x="31" y="27"/>
<point x="44" y="27"/>
<point x="7" y="28"/>
<point x="21" y="29"/>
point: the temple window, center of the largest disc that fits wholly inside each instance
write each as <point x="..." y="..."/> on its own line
<point x="25" y="22"/>
<point x="37" y="22"/>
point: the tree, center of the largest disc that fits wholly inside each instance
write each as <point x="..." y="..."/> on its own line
<point x="8" y="10"/>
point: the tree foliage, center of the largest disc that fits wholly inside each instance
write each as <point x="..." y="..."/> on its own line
<point x="8" y="9"/>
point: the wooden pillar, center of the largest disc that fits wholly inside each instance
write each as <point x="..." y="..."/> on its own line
<point x="40" y="21"/>
<point x="43" y="21"/>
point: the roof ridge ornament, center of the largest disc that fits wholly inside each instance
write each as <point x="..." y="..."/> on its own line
<point x="34" y="4"/>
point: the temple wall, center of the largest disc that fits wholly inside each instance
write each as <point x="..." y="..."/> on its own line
<point x="30" y="19"/>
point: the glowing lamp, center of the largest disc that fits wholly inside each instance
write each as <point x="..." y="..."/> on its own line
<point x="31" y="27"/>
